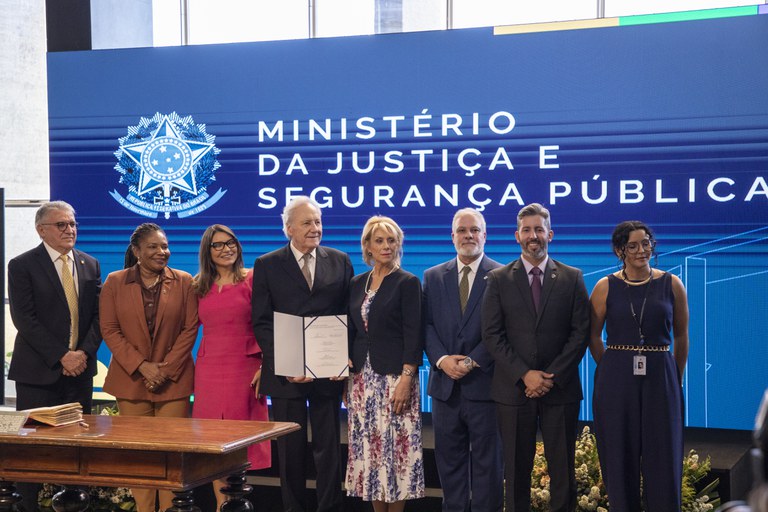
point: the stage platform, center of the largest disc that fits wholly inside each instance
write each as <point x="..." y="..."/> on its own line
<point x="728" y="451"/>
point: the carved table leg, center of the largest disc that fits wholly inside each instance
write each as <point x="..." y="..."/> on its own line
<point x="8" y="496"/>
<point x="71" y="499"/>
<point x="183" y="501"/>
<point x="235" y="491"/>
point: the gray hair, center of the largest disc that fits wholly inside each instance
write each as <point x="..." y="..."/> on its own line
<point x="534" y="209"/>
<point x="468" y="211"/>
<point x="291" y="206"/>
<point x="50" y="206"/>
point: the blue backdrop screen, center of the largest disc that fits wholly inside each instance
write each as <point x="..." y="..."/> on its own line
<point x="666" y="123"/>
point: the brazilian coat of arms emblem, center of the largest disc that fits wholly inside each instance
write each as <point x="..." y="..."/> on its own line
<point x="167" y="162"/>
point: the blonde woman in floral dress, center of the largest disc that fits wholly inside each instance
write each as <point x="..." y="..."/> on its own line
<point x="385" y="451"/>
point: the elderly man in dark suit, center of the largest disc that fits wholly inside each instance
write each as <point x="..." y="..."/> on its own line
<point x="53" y="292"/>
<point x="467" y="443"/>
<point x="536" y="325"/>
<point x="302" y="279"/>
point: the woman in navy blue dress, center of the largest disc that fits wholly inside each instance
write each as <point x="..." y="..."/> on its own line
<point x="637" y="402"/>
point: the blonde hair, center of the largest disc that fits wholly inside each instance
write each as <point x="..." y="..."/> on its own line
<point x="389" y="226"/>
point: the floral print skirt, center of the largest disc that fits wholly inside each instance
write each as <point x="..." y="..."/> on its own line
<point x="385" y="451"/>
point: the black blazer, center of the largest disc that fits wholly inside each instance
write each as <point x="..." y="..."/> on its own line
<point x="394" y="334"/>
<point x="41" y="315"/>
<point x="519" y="340"/>
<point x="279" y="285"/>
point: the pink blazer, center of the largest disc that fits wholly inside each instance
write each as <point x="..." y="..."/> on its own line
<point x="124" y="327"/>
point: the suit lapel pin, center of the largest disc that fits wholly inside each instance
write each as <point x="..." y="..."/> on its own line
<point x="82" y="262"/>
<point x="554" y="275"/>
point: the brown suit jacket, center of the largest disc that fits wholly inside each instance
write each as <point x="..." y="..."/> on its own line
<point x="124" y="327"/>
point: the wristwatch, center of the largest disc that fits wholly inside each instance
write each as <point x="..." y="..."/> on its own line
<point x="468" y="362"/>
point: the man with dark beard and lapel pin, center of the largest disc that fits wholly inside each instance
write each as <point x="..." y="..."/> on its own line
<point x="536" y="327"/>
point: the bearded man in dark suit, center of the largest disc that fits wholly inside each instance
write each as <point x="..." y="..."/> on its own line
<point x="53" y="292"/>
<point x="302" y="279"/>
<point x="535" y="322"/>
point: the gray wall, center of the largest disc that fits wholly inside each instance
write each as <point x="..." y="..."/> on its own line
<point x="23" y="127"/>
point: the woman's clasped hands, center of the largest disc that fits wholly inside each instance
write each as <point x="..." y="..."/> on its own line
<point x="153" y="375"/>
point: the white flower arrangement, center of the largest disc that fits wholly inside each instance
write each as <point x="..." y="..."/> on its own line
<point x="591" y="495"/>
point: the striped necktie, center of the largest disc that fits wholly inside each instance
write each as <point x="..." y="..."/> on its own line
<point x="68" y="283"/>
<point x="464" y="287"/>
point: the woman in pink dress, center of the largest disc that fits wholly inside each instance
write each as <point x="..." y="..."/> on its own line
<point x="228" y="368"/>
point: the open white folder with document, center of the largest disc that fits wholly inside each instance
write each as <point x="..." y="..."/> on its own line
<point x="312" y="346"/>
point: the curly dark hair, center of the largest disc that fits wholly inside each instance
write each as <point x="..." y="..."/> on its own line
<point x="621" y="233"/>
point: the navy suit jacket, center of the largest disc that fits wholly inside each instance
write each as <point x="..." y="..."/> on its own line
<point x="41" y="315"/>
<point x="520" y="340"/>
<point x="279" y="285"/>
<point x="448" y="331"/>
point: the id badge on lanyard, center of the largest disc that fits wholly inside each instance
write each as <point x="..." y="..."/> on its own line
<point x="638" y="365"/>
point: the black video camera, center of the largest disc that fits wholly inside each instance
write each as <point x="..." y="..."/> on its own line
<point x="758" y="497"/>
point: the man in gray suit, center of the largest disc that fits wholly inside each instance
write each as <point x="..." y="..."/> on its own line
<point x="535" y="322"/>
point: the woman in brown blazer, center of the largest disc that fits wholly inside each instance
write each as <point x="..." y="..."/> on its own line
<point x="148" y="317"/>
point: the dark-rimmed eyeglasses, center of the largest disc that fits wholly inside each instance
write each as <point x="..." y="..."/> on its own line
<point x="219" y="246"/>
<point x="646" y="245"/>
<point x="61" y="226"/>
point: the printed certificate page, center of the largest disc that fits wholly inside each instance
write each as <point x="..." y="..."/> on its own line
<point x="325" y="346"/>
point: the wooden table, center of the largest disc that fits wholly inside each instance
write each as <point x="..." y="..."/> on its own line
<point x="178" y="454"/>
